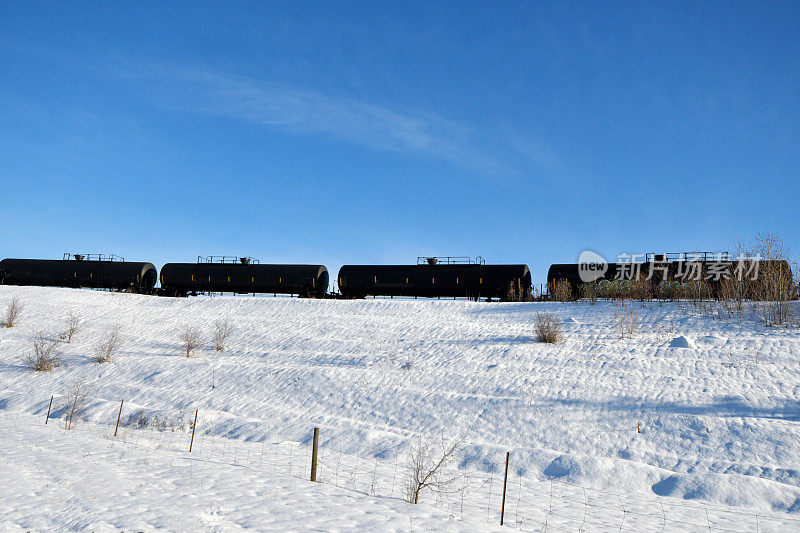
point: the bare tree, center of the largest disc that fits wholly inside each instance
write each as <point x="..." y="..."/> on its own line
<point x="425" y="471"/>
<point x="109" y="345"/>
<point x="13" y="310"/>
<point x="72" y="323"/>
<point x="45" y="355"/>
<point x="78" y="394"/>
<point x="191" y="340"/>
<point x="548" y="328"/>
<point x="222" y="331"/>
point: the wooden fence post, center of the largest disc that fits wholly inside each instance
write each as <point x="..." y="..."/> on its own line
<point x="48" y="411"/>
<point x="194" y="426"/>
<point x="118" y="415"/>
<point x="505" y="481"/>
<point x="314" y="451"/>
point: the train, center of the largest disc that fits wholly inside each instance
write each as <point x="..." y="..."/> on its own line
<point x="430" y="277"/>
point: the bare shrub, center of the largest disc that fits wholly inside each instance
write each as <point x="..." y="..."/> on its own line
<point x="699" y="294"/>
<point x="191" y="340"/>
<point x="773" y="284"/>
<point x="515" y="293"/>
<point x="78" y="394"/>
<point x="426" y="469"/>
<point x="589" y="292"/>
<point x="641" y="289"/>
<point x="71" y="326"/>
<point x="548" y="328"/>
<point x="45" y="355"/>
<point x="626" y="319"/>
<point x="736" y="286"/>
<point x="13" y="311"/>
<point x="732" y="293"/>
<point x="562" y="291"/>
<point x="222" y="332"/>
<point x="109" y="345"/>
<point x="158" y="422"/>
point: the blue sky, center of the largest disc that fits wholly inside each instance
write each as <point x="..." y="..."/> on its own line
<point x="374" y="133"/>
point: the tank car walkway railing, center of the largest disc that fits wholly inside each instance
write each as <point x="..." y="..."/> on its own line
<point x="93" y="257"/>
<point x="451" y="260"/>
<point x="227" y="259"/>
<point x="706" y="257"/>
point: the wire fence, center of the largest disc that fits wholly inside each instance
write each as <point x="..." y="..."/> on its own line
<point x="531" y="503"/>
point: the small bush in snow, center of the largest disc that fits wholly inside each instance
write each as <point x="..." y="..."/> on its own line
<point x="191" y="340"/>
<point x="222" y="331"/>
<point x="548" y="328"/>
<point x="426" y="469"/>
<point x="13" y="310"/>
<point x="45" y="355"/>
<point x="109" y="345"/>
<point x="72" y="323"/>
<point x="78" y="395"/>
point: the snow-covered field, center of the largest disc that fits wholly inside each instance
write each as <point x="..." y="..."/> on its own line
<point x="716" y="404"/>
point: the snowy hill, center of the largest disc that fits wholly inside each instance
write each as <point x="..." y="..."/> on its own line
<point x="689" y="411"/>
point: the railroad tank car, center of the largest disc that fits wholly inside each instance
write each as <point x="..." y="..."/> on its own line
<point x="180" y="279"/>
<point x="656" y="271"/>
<point x="472" y="281"/>
<point x="79" y="272"/>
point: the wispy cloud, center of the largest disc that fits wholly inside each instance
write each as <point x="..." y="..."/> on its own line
<point x="304" y="111"/>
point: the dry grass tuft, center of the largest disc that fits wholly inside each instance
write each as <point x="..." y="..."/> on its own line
<point x="13" y="311"/>
<point x="191" y="340"/>
<point x="71" y="326"/>
<point x="109" y="346"/>
<point x="222" y="332"/>
<point x="45" y="355"/>
<point x="548" y="328"/>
